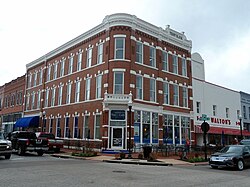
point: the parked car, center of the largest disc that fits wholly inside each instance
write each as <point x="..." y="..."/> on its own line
<point x="245" y="142"/>
<point x="53" y="143"/>
<point x="23" y="141"/>
<point x="5" y="147"/>
<point x="231" y="156"/>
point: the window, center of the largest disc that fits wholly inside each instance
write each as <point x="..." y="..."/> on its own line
<point x="77" y="92"/>
<point x="198" y="107"/>
<point x="68" y="94"/>
<point x="67" y="131"/>
<point x="51" y="125"/>
<point x="71" y="61"/>
<point x="62" y="68"/>
<point x="38" y="99"/>
<point x="244" y="112"/>
<point x="139" y="92"/>
<point x="48" y="73"/>
<point x="86" y="127"/>
<point x="98" y="86"/>
<point x="177" y="129"/>
<point x="152" y="56"/>
<point x="227" y="112"/>
<point x="155" y="128"/>
<point x="146" y="127"/>
<point x="184" y="96"/>
<point x="30" y="80"/>
<point x="55" y="71"/>
<point x="35" y="79"/>
<point x="152" y="90"/>
<point x="166" y="92"/>
<point x="76" y="135"/>
<point x="175" y="64"/>
<point x="165" y="60"/>
<point x="17" y="99"/>
<point x="21" y="98"/>
<point x="176" y="95"/>
<point x="53" y="96"/>
<point x="97" y="126"/>
<point x="33" y="100"/>
<point x="27" y="102"/>
<point x="46" y="98"/>
<point x="41" y="77"/>
<point x="79" y="62"/>
<point x="167" y="128"/>
<point x="139" y="52"/>
<point x="89" y="57"/>
<point x="184" y="66"/>
<point x="119" y="48"/>
<point x="118" y="83"/>
<point x="87" y="89"/>
<point x="100" y="53"/>
<point x="58" y="128"/>
<point x="185" y="129"/>
<point x="214" y="110"/>
<point x="60" y="95"/>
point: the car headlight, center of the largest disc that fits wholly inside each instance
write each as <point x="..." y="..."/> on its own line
<point x="9" y="143"/>
<point x="228" y="158"/>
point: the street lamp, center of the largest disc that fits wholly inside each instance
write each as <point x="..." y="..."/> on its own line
<point x="44" y="114"/>
<point x="130" y="122"/>
<point x="241" y="136"/>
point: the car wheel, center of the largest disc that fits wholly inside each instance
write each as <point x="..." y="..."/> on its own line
<point x="40" y="153"/>
<point x="240" y="165"/>
<point x="7" y="156"/>
<point x="20" y="151"/>
<point x="214" y="167"/>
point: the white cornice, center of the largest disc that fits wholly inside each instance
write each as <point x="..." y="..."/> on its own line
<point x="168" y="35"/>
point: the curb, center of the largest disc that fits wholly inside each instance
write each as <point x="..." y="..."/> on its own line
<point x="68" y="156"/>
<point x="138" y="163"/>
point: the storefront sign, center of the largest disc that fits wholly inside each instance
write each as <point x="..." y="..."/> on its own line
<point x="118" y="115"/>
<point x="215" y="120"/>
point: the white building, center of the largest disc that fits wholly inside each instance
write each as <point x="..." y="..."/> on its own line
<point x="220" y="105"/>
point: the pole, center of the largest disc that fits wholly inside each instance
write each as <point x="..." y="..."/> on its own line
<point x="241" y="136"/>
<point x="129" y="142"/>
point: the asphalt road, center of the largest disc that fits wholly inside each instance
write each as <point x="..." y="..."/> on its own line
<point x="32" y="170"/>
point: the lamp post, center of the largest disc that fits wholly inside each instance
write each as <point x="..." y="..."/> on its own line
<point x="130" y="122"/>
<point x="44" y="114"/>
<point x="241" y="136"/>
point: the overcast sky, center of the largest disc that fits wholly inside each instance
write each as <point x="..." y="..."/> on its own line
<point x="219" y="30"/>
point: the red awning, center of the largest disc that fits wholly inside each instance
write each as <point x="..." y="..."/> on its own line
<point x="220" y="130"/>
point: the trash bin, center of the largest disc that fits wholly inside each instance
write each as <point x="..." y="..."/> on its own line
<point x="147" y="149"/>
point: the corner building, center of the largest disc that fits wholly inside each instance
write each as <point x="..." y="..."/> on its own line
<point x="122" y="72"/>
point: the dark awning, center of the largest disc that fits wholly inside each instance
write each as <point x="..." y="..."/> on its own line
<point x="32" y="121"/>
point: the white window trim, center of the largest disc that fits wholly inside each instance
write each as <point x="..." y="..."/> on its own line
<point x="123" y="49"/>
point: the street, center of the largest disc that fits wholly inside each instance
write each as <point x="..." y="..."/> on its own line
<point x="32" y="170"/>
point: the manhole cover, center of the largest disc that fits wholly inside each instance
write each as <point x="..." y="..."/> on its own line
<point x="117" y="171"/>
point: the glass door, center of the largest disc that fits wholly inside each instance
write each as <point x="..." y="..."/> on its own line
<point x="117" y="138"/>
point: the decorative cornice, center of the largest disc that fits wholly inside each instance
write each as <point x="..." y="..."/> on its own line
<point x="121" y="19"/>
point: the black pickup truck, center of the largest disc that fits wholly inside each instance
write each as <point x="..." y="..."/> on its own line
<point x="23" y="141"/>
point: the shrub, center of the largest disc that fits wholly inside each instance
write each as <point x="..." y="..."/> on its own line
<point x="196" y="159"/>
<point x="140" y="156"/>
<point x="122" y="155"/>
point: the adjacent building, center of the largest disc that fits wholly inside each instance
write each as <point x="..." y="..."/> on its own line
<point x="123" y="77"/>
<point x="219" y="106"/>
<point x="245" y="108"/>
<point x="11" y="103"/>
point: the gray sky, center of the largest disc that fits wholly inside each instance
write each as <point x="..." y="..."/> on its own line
<point x="219" y="30"/>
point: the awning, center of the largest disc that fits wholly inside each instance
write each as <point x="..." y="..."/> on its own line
<point x="32" y="121"/>
<point x="219" y="130"/>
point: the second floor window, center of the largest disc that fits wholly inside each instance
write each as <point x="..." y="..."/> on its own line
<point x="176" y="95"/>
<point x="79" y="62"/>
<point x="68" y="94"/>
<point x="41" y="77"/>
<point x="152" y="90"/>
<point x="71" y="60"/>
<point x="60" y="91"/>
<point x="46" y="98"/>
<point x="77" y="92"/>
<point x="87" y="89"/>
<point x="175" y="64"/>
<point x="119" y="48"/>
<point x="184" y="97"/>
<point x="139" y="87"/>
<point x="62" y="68"/>
<point x="38" y="99"/>
<point x="118" y="83"/>
<point x="35" y="79"/>
<point x="98" y="86"/>
<point x="166" y="92"/>
<point x="53" y="96"/>
<point x="48" y="73"/>
<point x="198" y="107"/>
<point x="244" y="112"/>
<point x="214" y="110"/>
<point x="55" y="71"/>
<point x="33" y="100"/>
<point x="184" y="67"/>
<point x="227" y="112"/>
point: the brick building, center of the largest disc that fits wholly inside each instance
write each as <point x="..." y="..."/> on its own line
<point x="11" y="99"/>
<point x="123" y="72"/>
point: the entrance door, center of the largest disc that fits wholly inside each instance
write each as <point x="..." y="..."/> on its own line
<point x="117" y="138"/>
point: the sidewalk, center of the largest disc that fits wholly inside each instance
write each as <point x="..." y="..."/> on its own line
<point x="110" y="158"/>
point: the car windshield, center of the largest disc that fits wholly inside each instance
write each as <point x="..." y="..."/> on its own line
<point x="49" y="136"/>
<point x="245" y="142"/>
<point x="231" y="149"/>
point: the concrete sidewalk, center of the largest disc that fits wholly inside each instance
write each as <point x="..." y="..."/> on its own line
<point x="168" y="161"/>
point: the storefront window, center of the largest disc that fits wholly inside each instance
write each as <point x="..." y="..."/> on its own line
<point x="155" y="127"/>
<point x="177" y="129"/>
<point x="185" y="129"/>
<point x="168" y="128"/>
<point x="146" y="127"/>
